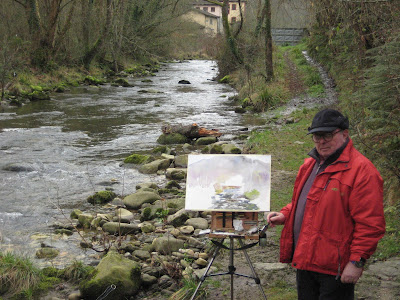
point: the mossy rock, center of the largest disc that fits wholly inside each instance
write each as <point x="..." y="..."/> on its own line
<point x="91" y="80"/>
<point x="137" y="159"/>
<point x="47" y="253"/>
<point x="216" y="149"/>
<point x="38" y="95"/>
<point x="161" y="149"/>
<point x="101" y="197"/>
<point x="172" y="138"/>
<point x="114" y="269"/>
<point x="122" y="82"/>
<point x="206" y="140"/>
<point x="173" y="184"/>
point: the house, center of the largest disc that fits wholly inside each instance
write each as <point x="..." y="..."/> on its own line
<point x="210" y="23"/>
<point x="233" y="14"/>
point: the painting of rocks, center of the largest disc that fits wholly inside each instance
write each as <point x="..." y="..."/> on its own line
<point x="220" y="182"/>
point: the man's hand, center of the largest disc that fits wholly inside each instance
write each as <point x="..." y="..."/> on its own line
<point x="351" y="273"/>
<point x="275" y="218"/>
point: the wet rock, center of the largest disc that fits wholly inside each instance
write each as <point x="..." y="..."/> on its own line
<point x="18" y="167"/>
<point x="75" y="213"/>
<point x="113" y="269"/>
<point x="197" y="223"/>
<point x="63" y="231"/>
<point x="120" y="228"/>
<point x="101" y="197"/>
<point x="122" y="82"/>
<point x="230" y="149"/>
<point x="184" y="81"/>
<point x="167" y="244"/>
<point x="136" y="200"/>
<point x="154" y="166"/>
<point x="85" y="220"/>
<point x="172" y="184"/>
<point x="151" y="185"/>
<point x="172" y="138"/>
<point x="137" y="159"/>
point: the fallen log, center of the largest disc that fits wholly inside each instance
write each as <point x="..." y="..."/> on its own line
<point x="192" y="131"/>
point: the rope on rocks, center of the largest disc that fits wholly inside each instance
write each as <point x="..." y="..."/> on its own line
<point x="106" y="292"/>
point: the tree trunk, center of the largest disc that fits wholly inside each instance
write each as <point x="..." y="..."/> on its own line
<point x="95" y="49"/>
<point x="269" y="68"/>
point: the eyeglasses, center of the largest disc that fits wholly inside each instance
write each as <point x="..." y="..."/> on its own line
<point x="327" y="136"/>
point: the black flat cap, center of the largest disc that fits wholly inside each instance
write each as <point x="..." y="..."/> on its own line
<point x="328" y="120"/>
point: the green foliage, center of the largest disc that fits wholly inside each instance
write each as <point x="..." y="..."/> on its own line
<point x="252" y="194"/>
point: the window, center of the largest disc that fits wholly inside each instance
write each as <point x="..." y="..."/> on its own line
<point x="233" y="6"/>
<point x="212" y="9"/>
<point x="205" y="8"/>
<point x="211" y="21"/>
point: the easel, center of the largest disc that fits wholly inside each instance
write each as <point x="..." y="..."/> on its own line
<point x="227" y="230"/>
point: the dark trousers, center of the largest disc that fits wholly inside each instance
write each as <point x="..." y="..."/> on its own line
<point x="318" y="286"/>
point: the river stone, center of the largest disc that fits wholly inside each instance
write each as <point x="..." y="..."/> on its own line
<point x="85" y="220"/>
<point x="186" y="229"/>
<point x="172" y="184"/>
<point x="150" y="185"/>
<point x="230" y="149"/>
<point x="19" y="167"/>
<point x="187" y="148"/>
<point x="197" y="223"/>
<point x="113" y="269"/>
<point x="178" y="218"/>
<point x="167" y="156"/>
<point x="136" y="200"/>
<point x="154" y="166"/>
<point x="207" y="140"/>
<point x="143" y="255"/>
<point x="176" y="173"/>
<point x="201" y="262"/>
<point x="167" y="244"/>
<point x="120" y="228"/>
<point x="147" y="227"/>
<point x="75" y="213"/>
<point x="172" y="138"/>
<point x="47" y="253"/>
<point x="181" y="161"/>
<point x="148" y="280"/>
<point x="124" y="215"/>
<point x="270" y="266"/>
<point x="101" y="197"/>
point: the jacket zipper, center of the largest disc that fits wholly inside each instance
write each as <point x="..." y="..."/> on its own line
<point x="326" y="185"/>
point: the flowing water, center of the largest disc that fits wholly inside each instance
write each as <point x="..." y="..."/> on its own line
<point x="54" y="154"/>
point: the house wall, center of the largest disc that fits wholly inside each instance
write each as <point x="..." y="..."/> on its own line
<point x="211" y="24"/>
<point x="234" y="12"/>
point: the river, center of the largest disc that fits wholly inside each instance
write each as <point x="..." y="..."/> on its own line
<point x="73" y="145"/>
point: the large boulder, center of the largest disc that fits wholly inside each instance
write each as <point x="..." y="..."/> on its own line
<point x="181" y="161"/>
<point x="120" y="228"/>
<point x="123" y="215"/>
<point x="206" y="140"/>
<point x="101" y="197"/>
<point x="136" y="200"/>
<point x="113" y="270"/>
<point x="154" y="166"/>
<point x="167" y="244"/>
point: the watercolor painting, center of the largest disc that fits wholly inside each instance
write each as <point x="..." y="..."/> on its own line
<point x="221" y="182"/>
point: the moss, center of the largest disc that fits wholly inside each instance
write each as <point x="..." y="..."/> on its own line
<point x="137" y="159"/>
<point x="146" y="214"/>
<point x="216" y="149"/>
<point x="172" y="138"/>
<point x="101" y="197"/>
<point x="91" y="80"/>
<point x="225" y="79"/>
<point x="161" y="149"/>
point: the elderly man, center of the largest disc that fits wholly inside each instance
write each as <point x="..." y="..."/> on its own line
<point x="335" y="219"/>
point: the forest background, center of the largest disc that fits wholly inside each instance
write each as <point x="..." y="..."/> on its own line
<point x="48" y="44"/>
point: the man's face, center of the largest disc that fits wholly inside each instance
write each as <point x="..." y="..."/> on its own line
<point x="327" y="143"/>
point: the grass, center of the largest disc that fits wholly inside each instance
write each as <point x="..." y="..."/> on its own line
<point x="18" y="276"/>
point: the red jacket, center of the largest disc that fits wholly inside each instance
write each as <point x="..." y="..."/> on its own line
<point x="343" y="218"/>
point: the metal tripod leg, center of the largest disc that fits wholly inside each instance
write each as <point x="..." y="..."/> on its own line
<point x="256" y="279"/>
<point x="205" y="273"/>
